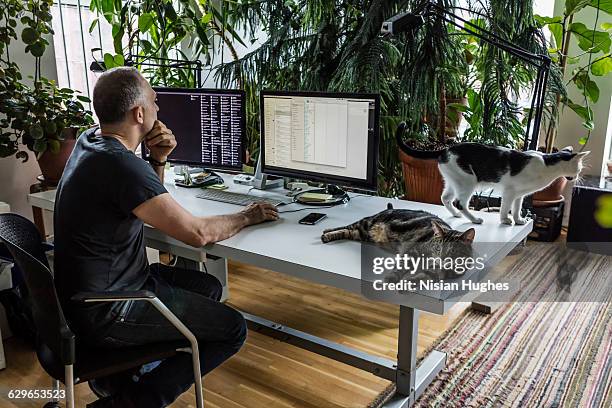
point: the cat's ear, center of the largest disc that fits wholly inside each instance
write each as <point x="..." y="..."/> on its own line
<point x="568" y="149"/>
<point x="438" y="229"/>
<point x="389" y="206"/>
<point x="468" y="236"/>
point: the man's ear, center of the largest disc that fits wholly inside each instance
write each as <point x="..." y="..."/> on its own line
<point x="137" y="113"/>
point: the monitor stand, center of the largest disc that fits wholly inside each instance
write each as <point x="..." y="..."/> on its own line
<point x="261" y="181"/>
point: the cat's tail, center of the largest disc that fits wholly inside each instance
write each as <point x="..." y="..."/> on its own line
<point x="419" y="154"/>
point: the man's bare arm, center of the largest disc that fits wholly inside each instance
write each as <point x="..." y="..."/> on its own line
<point x="167" y="215"/>
<point x="159" y="170"/>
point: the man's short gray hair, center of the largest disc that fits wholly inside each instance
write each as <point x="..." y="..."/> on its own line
<point x="116" y="92"/>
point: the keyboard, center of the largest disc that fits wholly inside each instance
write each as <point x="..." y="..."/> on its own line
<point x="237" y="198"/>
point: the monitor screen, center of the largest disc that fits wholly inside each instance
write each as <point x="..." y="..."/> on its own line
<point x="329" y="137"/>
<point x="209" y="126"/>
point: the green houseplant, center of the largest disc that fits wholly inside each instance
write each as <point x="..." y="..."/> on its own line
<point x="42" y="117"/>
<point x="594" y="43"/>
<point x="167" y="31"/>
<point x="336" y="46"/>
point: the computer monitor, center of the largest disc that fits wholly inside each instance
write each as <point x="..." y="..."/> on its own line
<point x="209" y="126"/>
<point x="328" y="137"/>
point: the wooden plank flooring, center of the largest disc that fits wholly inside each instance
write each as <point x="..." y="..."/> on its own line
<point x="267" y="373"/>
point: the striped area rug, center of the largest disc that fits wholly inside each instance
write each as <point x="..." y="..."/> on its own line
<point x="532" y="354"/>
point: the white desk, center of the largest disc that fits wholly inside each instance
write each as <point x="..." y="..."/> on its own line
<point x="288" y="247"/>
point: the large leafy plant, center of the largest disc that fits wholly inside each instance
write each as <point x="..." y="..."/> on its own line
<point x="155" y="31"/>
<point x="336" y="46"/>
<point x="33" y="115"/>
<point x="594" y="43"/>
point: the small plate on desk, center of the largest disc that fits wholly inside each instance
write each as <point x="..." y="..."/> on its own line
<point x="200" y="180"/>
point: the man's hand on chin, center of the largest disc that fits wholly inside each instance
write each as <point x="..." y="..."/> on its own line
<point x="160" y="141"/>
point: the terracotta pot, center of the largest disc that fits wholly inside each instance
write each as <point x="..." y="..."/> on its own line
<point x="422" y="179"/>
<point x="552" y="193"/>
<point x="52" y="164"/>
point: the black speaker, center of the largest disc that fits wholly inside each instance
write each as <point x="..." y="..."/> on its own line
<point x="588" y="228"/>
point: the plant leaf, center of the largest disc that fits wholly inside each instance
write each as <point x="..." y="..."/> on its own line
<point x="109" y="61"/>
<point x="119" y="60"/>
<point x="206" y="18"/>
<point x="573" y="6"/>
<point x="585" y="113"/>
<point x="587" y="86"/>
<point x="36" y="131"/>
<point x="93" y="25"/>
<point x="29" y="35"/>
<point x="54" y="145"/>
<point x="118" y="41"/>
<point x="145" y="21"/>
<point x="602" y="67"/>
<point x="555" y="26"/>
<point x="37" y="49"/>
<point x="590" y="40"/>
<point x="604" y="5"/>
<point x="40" y="145"/>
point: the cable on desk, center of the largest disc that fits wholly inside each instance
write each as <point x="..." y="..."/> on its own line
<point x="307" y="208"/>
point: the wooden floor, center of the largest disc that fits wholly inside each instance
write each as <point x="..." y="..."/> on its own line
<point x="268" y="373"/>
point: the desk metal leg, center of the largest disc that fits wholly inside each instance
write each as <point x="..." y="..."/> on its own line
<point x="406" y="351"/>
<point x="217" y="267"/>
<point x="411" y="380"/>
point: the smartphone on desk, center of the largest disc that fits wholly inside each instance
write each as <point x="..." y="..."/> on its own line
<point x="312" y="218"/>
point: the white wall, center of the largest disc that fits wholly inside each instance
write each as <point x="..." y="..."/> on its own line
<point x="16" y="177"/>
<point x="570" y="125"/>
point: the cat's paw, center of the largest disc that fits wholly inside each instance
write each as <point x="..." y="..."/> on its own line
<point x="506" y="221"/>
<point x="325" y="238"/>
<point x="477" y="221"/>
<point x="520" y="221"/>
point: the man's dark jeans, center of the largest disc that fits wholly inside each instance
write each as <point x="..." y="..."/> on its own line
<point x="193" y="297"/>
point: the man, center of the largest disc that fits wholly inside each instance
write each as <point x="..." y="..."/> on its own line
<point x="104" y="197"/>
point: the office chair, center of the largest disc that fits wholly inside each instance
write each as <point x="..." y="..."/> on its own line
<point x="59" y="352"/>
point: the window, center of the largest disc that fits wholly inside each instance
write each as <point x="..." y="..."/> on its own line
<point x="73" y="43"/>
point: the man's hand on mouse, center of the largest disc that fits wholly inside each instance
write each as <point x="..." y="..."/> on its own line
<point x="160" y="141"/>
<point x="260" y="212"/>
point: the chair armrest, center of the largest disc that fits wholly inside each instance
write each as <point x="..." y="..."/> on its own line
<point x="113" y="296"/>
<point x="148" y="296"/>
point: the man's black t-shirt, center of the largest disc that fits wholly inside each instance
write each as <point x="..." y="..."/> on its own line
<point x="98" y="241"/>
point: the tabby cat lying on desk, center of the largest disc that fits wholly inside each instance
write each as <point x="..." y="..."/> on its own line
<point x="411" y="232"/>
<point x="514" y="173"/>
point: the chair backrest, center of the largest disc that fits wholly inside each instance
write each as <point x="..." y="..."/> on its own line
<point x="23" y="241"/>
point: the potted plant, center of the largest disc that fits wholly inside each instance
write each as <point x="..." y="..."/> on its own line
<point x="42" y="117"/>
<point x="490" y="79"/>
<point x="594" y="43"/>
